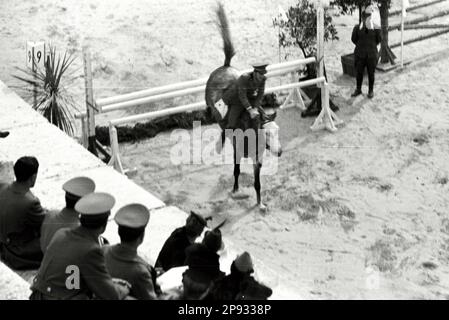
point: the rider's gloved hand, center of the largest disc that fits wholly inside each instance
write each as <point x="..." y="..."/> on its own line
<point x="253" y="113"/>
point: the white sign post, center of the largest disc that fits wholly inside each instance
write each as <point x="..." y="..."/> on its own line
<point x="35" y="60"/>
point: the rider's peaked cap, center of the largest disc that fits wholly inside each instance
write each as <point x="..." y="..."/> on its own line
<point x="260" y="66"/>
<point x="95" y="203"/>
<point x="79" y="186"/>
<point x="133" y="215"/>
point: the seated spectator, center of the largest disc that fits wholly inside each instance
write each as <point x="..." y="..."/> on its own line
<point x="172" y="253"/>
<point x="194" y="287"/>
<point x="250" y="289"/>
<point x="239" y="284"/>
<point x="203" y="256"/>
<point x="203" y="262"/>
<point x="21" y="216"/>
<point x="74" y="266"/>
<point x="122" y="260"/>
<point x="68" y="217"/>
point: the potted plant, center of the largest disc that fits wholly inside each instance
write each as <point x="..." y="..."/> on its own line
<point x="52" y="98"/>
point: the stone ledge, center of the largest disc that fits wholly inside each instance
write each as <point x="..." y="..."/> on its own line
<point x="12" y="286"/>
<point x="15" y="112"/>
<point x="57" y="153"/>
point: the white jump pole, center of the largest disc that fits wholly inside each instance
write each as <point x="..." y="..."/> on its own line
<point x="190" y="84"/>
<point x="274" y="71"/>
<point x="202" y="105"/>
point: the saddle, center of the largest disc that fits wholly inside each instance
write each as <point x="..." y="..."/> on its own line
<point x="220" y="113"/>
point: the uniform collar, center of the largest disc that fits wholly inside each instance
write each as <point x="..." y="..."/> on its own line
<point x="124" y="252"/>
<point x="71" y="212"/>
<point x="19" y="188"/>
<point x="86" y="233"/>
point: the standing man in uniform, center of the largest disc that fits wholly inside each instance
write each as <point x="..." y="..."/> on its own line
<point x="74" y="267"/>
<point x="122" y="260"/>
<point x="68" y="217"/>
<point x="366" y="36"/>
<point x="244" y="95"/>
<point x="21" y="217"/>
<point x="173" y="253"/>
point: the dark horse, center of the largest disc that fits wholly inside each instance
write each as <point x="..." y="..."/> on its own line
<point x="253" y="136"/>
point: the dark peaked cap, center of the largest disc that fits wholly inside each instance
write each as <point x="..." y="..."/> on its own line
<point x="133" y="215"/>
<point x="79" y="186"/>
<point x="95" y="203"/>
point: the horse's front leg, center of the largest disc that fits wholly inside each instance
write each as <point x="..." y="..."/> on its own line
<point x="236" y="176"/>
<point x="257" y="167"/>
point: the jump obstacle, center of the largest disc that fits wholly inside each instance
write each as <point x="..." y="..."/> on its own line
<point x="327" y="119"/>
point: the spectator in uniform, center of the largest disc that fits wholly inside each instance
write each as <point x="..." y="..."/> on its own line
<point x="74" y="266"/>
<point x="366" y="36"/>
<point x="173" y="253"/>
<point x="122" y="260"/>
<point x="21" y="216"/>
<point x="68" y="217"/>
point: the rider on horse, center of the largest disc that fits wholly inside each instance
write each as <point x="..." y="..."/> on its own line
<point x="245" y="94"/>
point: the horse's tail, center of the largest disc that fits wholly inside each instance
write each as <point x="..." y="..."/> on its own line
<point x="223" y="26"/>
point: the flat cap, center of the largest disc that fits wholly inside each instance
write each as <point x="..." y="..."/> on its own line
<point x="95" y="203"/>
<point x="79" y="186"/>
<point x="244" y="263"/>
<point x="133" y="215"/>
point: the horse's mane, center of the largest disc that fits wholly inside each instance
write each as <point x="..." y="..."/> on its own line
<point x="223" y="26"/>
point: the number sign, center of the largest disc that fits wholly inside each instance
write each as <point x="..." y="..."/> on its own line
<point x="36" y="54"/>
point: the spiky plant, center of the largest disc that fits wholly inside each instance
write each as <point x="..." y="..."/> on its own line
<point x="48" y="85"/>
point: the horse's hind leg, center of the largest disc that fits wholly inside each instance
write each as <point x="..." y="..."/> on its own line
<point x="257" y="167"/>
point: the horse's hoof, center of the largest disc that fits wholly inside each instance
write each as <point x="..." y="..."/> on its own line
<point x="263" y="208"/>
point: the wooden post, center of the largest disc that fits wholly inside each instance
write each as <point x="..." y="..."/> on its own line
<point x="320" y="39"/>
<point x="89" y="103"/>
<point x="84" y="137"/>
<point x="35" y="59"/>
<point x="402" y="35"/>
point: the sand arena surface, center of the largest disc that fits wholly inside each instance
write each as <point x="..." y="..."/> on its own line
<point x="361" y="213"/>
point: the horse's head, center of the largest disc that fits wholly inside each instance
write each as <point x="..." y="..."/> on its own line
<point x="272" y="136"/>
<point x="270" y="104"/>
